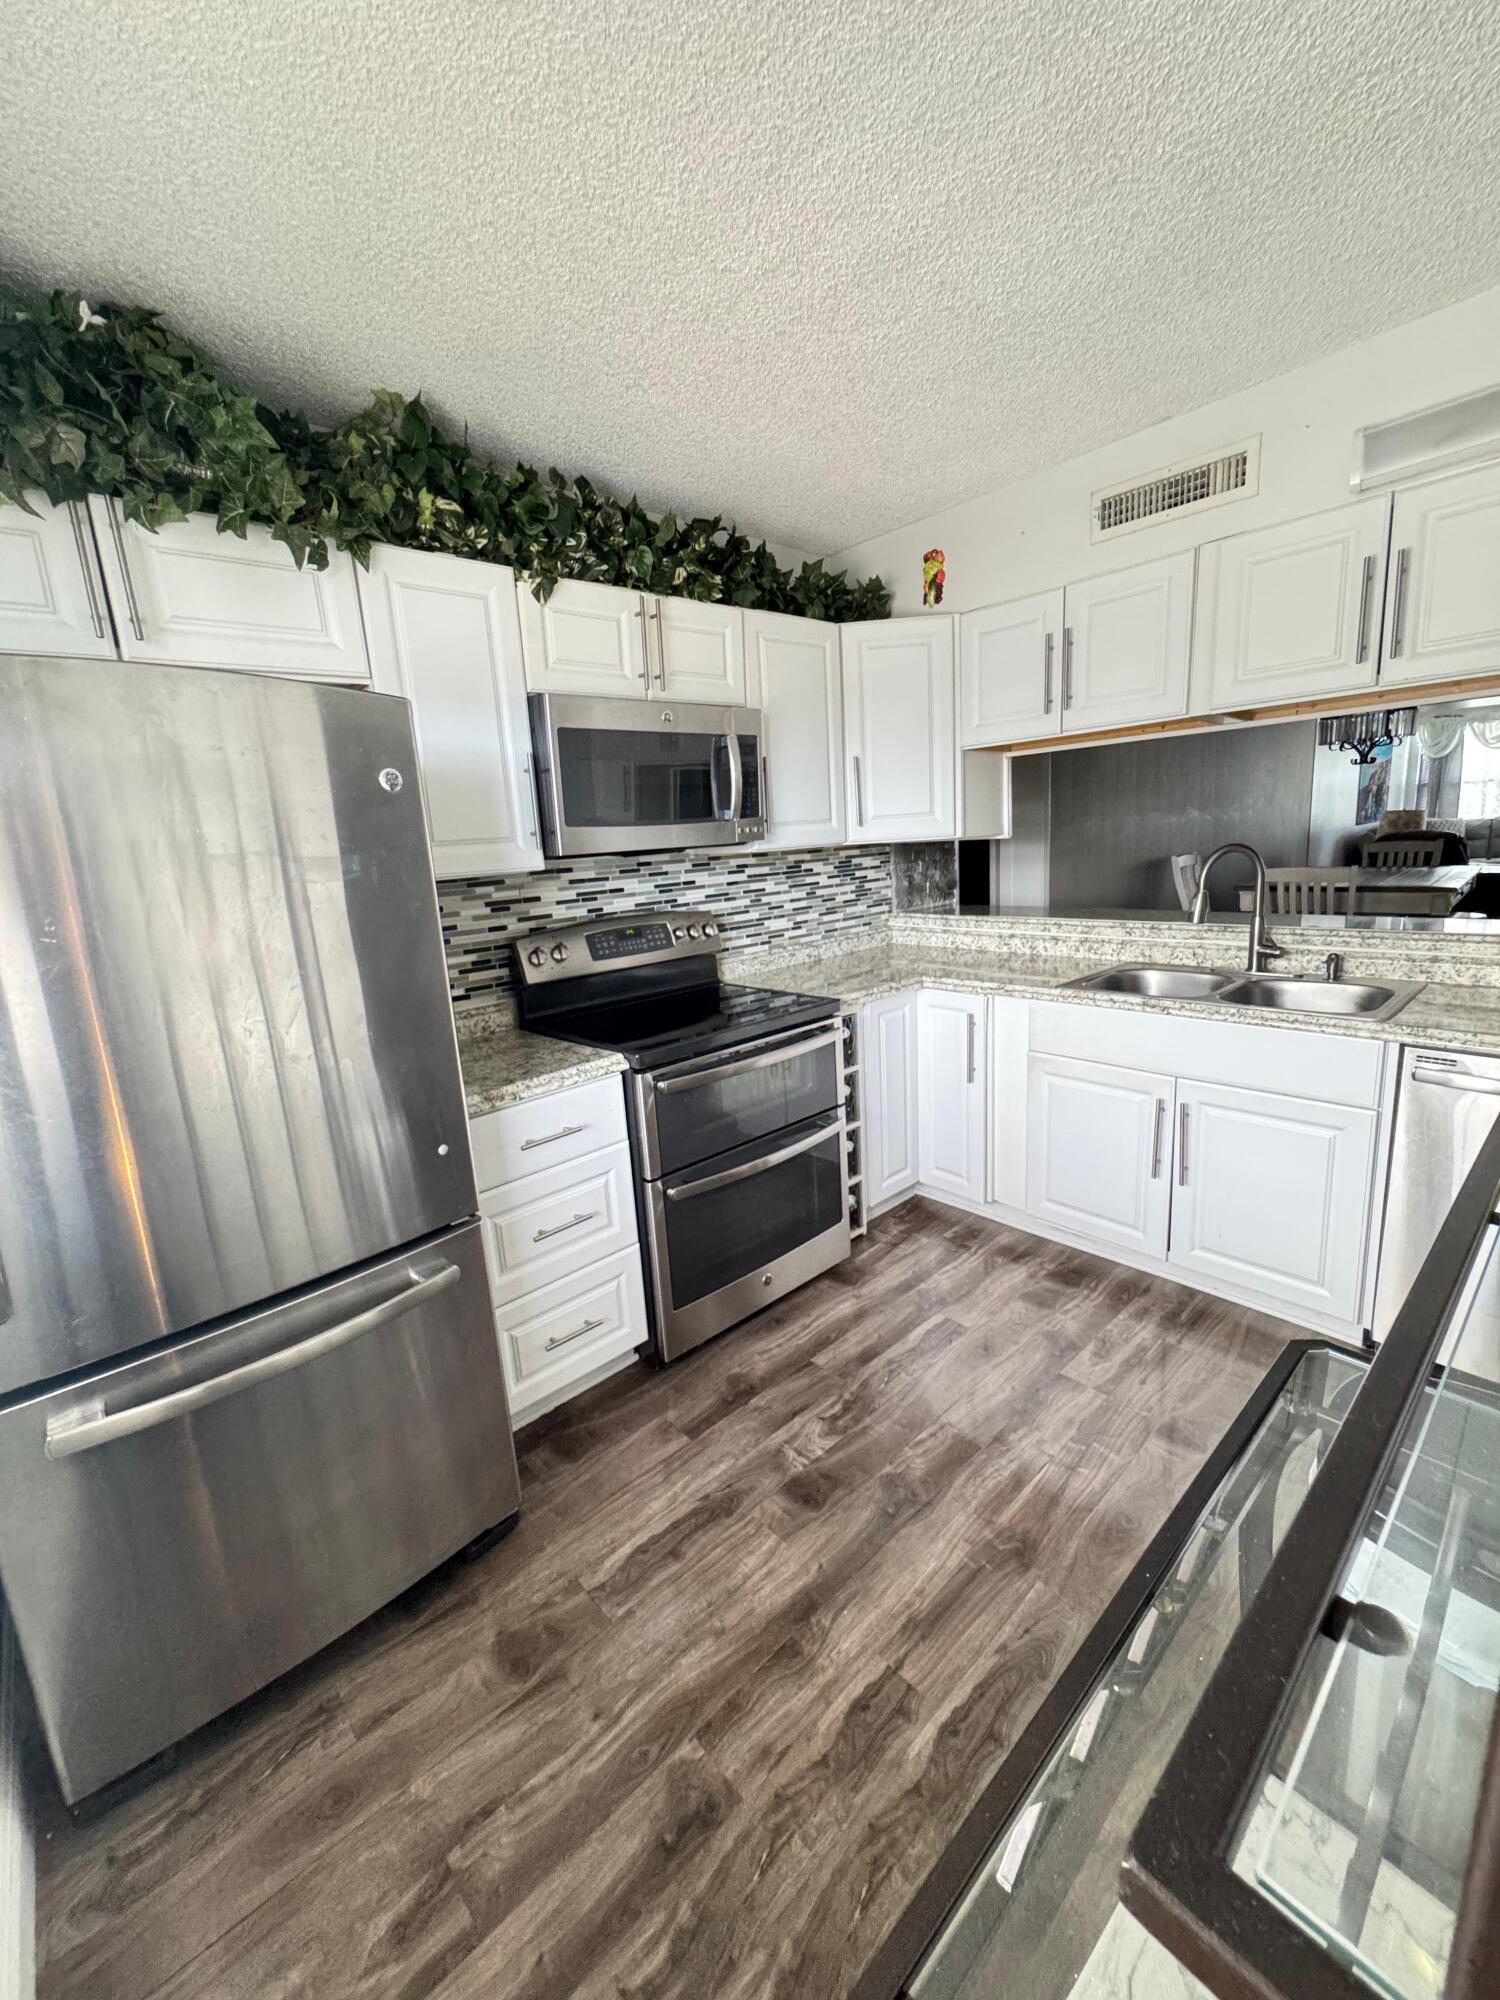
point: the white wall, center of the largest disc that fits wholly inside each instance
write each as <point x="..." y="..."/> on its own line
<point x="1034" y="534"/>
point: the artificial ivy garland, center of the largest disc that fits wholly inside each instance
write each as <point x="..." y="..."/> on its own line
<point x="111" y="401"/>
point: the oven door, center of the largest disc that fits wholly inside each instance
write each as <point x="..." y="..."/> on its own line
<point x="728" y="1237"/>
<point x="692" y="1111"/>
<point x="617" y="776"/>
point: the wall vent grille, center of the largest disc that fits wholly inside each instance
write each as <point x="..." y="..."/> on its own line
<point x="1177" y="489"/>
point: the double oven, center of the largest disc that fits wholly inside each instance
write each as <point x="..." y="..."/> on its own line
<point x="736" y="1110"/>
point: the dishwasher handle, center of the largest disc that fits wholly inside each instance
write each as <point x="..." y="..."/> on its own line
<point x="1456" y="1079"/>
<point x="87" y="1425"/>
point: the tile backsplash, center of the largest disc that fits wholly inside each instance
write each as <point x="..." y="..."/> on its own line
<point x="761" y="899"/>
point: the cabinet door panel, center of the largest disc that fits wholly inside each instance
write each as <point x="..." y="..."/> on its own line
<point x="444" y="632"/>
<point x="899" y="725"/>
<point x="1099" y="1151"/>
<point x="700" y="650"/>
<point x="1009" y="690"/>
<point x="51" y="591"/>
<point x="1443" y="592"/>
<point x="1294" y="610"/>
<point x="1127" y="645"/>
<point x="1273" y="1194"/>
<point x="588" y="638"/>
<point x="793" y="678"/>
<point x="951" y="1094"/>
<point x="189" y="596"/>
<point x="888" y="1096"/>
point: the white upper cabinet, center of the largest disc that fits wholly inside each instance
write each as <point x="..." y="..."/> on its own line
<point x="51" y="592"/>
<point x="444" y="632"/>
<point x="1273" y="1195"/>
<point x="1443" y="589"/>
<point x="189" y="596"/>
<point x="1294" y="610"/>
<point x="1099" y="1151"/>
<point x="588" y="638"/>
<point x="793" y="678"/>
<point x="1008" y="670"/>
<point x="700" y="650"/>
<point x="951" y="1093"/>
<point x="1127" y="645"/>
<point x="899" y="725"/>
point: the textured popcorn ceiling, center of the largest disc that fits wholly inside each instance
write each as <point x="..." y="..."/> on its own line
<point x="824" y="266"/>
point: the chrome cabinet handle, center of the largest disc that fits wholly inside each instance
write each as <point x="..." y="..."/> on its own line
<point x="528" y="783"/>
<point x="779" y="1048"/>
<point x="112" y="508"/>
<point x="89" y="1425"/>
<point x="1047" y="676"/>
<point x="1367" y="583"/>
<point x="661" y="647"/>
<point x="1161" y="1119"/>
<point x="1182" y="1145"/>
<point x="645" y="646"/>
<point x="732" y="1174"/>
<point x="1398" y="603"/>
<point x="971" y="1049"/>
<point x="859" y="794"/>
<point x="562" y="1339"/>
<point x="560" y="1228"/>
<point x="1067" y="691"/>
<point x="551" y="1138"/>
<point x="95" y="612"/>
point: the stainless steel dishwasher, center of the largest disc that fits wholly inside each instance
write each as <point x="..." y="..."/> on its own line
<point x="1445" y="1109"/>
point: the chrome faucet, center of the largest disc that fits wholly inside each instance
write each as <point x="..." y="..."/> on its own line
<point x="1262" y="945"/>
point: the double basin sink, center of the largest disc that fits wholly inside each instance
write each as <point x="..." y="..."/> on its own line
<point x="1277" y="991"/>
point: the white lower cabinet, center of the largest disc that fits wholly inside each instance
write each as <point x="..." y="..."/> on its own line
<point x="557" y="1206"/>
<point x="951" y="1093"/>
<point x="1098" y="1155"/>
<point x="1273" y="1194"/>
<point x="888" y="1078"/>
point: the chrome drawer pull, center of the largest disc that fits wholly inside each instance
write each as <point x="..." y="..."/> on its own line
<point x="562" y="1339"/>
<point x="557" y="1229"/>
<point x="551" y="1138"/>
<point x="79" y="533"/>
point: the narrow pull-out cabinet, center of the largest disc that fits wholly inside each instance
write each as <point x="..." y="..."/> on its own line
<point x="888" y="1080"/>
<point x="186" y="595"/>
<point x="444" y="632"/>
<point x="952" y="1093"/>
<point x="51" y="590"/>
<point x="793" y="677"/>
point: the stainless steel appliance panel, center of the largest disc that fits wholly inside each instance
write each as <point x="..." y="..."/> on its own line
<point x="618" y="776"/>
<point x="177" y="1530"/>
<point x="224" y="1069"/>
<point x="1446" y="1107"/>
<point x="689" y="1111"/>
<point x="727" y="1237"/>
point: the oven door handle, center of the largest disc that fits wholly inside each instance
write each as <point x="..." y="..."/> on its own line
<point x="751" y="1167"/>
<point x="771" y="1053"/>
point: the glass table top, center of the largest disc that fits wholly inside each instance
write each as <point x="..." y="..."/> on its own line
<point x="1042" y="1916"/>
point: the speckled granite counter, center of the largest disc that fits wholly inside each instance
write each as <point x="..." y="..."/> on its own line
<point x="503" y="1064"/>
<point x="1462" y="1018"/>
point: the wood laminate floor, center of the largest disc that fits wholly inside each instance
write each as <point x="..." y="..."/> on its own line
<point x="699" y="1728"/>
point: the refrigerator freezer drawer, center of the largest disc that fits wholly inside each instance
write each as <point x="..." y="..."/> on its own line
<point x="179" y="1529"/>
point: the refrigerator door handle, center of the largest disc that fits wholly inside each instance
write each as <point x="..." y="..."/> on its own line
<point x="87" y="1425"/>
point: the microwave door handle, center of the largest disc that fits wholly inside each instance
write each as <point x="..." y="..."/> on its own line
<point x="736" y="769"/>
<point x="732" y="1174"/>
<point x="85" y="1426"/>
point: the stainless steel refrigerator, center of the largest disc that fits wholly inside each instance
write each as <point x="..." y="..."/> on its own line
<point x="249" y="1381"/>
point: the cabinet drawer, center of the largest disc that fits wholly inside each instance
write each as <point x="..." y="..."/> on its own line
<point x="566" y="1329"/>
<point x="548" y="1224"/>
<point x="546" y="1131"/>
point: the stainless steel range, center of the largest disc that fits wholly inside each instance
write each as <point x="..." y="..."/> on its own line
<point x="736" y="1103"/>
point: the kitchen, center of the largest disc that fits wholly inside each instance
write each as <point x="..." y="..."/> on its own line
<point x="929" y="1071"/>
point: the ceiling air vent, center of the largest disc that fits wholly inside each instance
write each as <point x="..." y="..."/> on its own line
<point x="1189" y="488"/>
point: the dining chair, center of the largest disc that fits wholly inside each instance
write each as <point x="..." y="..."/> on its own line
<point x="1309" y="892"/>
<point x="1186" y="869"/>
<point x="1421" y="851"/>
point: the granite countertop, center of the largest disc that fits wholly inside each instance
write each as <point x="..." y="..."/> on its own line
<point x="503" y="1064"/>
<point x="1464" y="1019"/>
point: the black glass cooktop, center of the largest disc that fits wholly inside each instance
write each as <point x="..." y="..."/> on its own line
<point x="672" y="1027"/>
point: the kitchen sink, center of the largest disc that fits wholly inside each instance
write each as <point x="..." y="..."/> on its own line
<point x="1366" y="1000"/>
<point x="1158" y="982"/>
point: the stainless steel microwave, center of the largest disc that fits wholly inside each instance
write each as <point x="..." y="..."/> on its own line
<point x="616" y="775"/>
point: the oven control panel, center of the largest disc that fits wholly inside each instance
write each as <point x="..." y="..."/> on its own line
<point x="648" y="937"/>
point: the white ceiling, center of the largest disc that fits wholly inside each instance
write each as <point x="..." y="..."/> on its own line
<point x="821" y="265"/>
